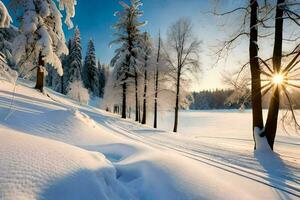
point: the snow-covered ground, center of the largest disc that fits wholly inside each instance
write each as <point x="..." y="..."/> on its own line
<point x="53" y="148"/>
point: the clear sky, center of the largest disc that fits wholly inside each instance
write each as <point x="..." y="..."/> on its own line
<point x="96" y="17"/>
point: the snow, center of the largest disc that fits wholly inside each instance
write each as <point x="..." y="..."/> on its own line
<point x="5" y="18"/>
<point x="52" y="147"/>
<point x="78" y="92"/>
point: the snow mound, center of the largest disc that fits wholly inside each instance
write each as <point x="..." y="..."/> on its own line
<point x="38" y="168"/>
<point x="6" y="73"/>
<point x="71" y="126"/>
<point x="262" y="144"/>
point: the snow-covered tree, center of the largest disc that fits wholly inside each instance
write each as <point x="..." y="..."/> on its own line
<point x="103" y="71"/>
<point x="126" y="56"/>
<point x="75" y="59"/>
<point x="5" y="18"/>
<point x="64" y="80"/>
<point x="7" y="35"/>
<point x="146" y="60"/>
<point x="41" y="40"/>
<point x="78" y="92"/>
<point x="90" y="71"/>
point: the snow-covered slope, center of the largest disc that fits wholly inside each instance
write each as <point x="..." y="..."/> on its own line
<point x="53" y="148"/>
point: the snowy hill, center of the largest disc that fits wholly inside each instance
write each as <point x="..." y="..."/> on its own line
<point x="53" y="148"/>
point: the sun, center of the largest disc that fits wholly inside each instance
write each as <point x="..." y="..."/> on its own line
<point x="278" y="79"/>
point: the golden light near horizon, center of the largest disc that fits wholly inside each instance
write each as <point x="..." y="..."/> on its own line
<point x="278" y="79"/>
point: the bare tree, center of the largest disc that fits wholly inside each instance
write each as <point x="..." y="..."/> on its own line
<point x="182" y="56"/>
<point x="156" y="77"/>
<point x="267" y="76"/>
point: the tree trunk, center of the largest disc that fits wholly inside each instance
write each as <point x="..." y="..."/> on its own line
<point x="40" y="74"/>
<point x="155" y="99"/>
<point x="62" y="84"/>
<point x="124" y="100"/>
<point x="271" y="123"/>
<point x="144" y="120"/>
<point x="136" y="97"/>
<point x="129" y="112"/>
<point x="156" y="84"/>
<point x="256" y="97"/>
<point x="177" y="102"/>
<point x="139" y="114"/>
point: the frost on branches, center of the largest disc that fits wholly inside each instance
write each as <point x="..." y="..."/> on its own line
<point x="78" y="92"/>
<point x="41" y="40"/>
<point x="5" y="18"/>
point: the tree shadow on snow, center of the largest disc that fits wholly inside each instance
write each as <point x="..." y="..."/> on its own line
<point x="30" y="99"/>
<point x="278" y="174"/>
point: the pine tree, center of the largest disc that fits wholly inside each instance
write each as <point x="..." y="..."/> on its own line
<point x="102" y="78"/>
<point x="75" y="59"/>
<point x="90" y="71"/>
<point x="125" y="59"/>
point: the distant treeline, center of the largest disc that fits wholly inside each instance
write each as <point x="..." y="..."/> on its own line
<point x="216" y="99"/>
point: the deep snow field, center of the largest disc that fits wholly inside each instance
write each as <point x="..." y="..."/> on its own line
<point x="53" y="148"/>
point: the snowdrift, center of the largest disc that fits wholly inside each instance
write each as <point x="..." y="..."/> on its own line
<point x="54" y="148"/>
<point x="36" y="168"/>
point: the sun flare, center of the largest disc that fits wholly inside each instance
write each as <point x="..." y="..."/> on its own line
<point x="278" y="79"/>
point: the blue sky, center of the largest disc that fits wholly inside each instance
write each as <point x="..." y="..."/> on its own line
<point x="96" y="17"/>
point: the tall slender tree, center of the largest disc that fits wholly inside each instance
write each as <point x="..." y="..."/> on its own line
<point x="90" y="70"/>
<point x="147" y="51"/>
<point x="156" y="77"/>
<point x="256" y="97"/>
<point x="75" y="59"/>
<point x="183" y="57"/>
<point x="126" y="57"/>
<point x="272" y="118"/>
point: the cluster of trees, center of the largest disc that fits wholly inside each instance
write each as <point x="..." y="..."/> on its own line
<point x="81" y="77"/>
<point x="148" y="75"/>
<point x="39" y="43"/>
<point x="218" y="99"/>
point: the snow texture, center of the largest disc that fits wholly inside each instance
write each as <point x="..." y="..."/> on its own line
<point x="54" y="148"/>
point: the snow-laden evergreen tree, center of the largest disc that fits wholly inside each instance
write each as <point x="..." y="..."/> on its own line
<point x="75" y="59"/>
<point x="64" y="80"/>
<point x="41" y="40"/>
<point x="90" y="70"/>
<point x="102" y="72"/>
<point x="5" y="18"/>
<point x="126" y="56"/>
